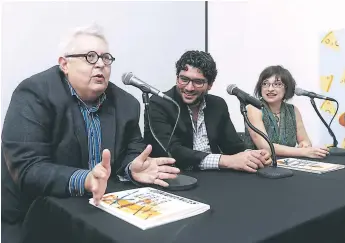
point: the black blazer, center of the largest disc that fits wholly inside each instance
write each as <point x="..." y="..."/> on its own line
<point x="44" y="139"/>
<point x="221" y="133"/>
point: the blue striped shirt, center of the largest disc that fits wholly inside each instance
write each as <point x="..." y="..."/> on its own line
<point x="93" y="128"/>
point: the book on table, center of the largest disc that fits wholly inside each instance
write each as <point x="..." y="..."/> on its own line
<point x="308" y="165"/>
<point x="148" y="207"/>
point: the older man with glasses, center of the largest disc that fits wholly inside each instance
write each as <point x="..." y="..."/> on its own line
<point x="205" y="137"/>
<point x="68" y="130"/>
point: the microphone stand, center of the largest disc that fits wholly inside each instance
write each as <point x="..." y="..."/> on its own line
<point x="334" y="150"/>
<point x="272" y="172"/>
<point x="181" y="182"/>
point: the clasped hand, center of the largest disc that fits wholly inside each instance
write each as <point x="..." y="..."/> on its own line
<point x="248" y="161"/>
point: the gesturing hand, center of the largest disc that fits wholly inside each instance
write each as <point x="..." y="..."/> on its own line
<point x="96" y="180"/>
<point x="152" y="170"/>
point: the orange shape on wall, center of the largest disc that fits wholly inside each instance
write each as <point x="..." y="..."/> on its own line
<point x="342" y="119"/>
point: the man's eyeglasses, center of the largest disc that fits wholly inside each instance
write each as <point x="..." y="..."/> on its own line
<point x="197" y="83"/>
<point x="277" y="85"/>
<point x="92" y="57"/>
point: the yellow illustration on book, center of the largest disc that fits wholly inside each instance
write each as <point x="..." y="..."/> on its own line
<point x="343" y="143"/>
<point x="342" y="81"/>
<point x="328" y="106"/>
<point x="144" y="208"/>
<point x="330" y="41"/>
<point x="326" y="82"/>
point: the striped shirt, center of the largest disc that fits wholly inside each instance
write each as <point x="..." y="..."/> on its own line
<point x="93" y="129"/>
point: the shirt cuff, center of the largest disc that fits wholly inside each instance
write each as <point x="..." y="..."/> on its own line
<point x="127" y="175"/>
<point x="211" y="161"/>
<point x="76" y="183"/>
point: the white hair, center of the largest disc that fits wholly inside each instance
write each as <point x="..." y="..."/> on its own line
<point x="66" y="45"/>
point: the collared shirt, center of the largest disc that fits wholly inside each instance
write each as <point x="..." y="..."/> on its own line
<point x="93" y="129"/>
<point x="200" y="140"/>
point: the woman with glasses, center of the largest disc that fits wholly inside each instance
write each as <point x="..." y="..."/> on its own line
<point x="282" y="122"/>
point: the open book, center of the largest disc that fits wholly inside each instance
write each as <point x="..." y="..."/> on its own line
<point x="308" y="165"/>
<point x="148" y="207"/>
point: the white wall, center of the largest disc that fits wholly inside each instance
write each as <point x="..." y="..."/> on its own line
<point x="146" y="38"/>
<point x="247" y="36"/>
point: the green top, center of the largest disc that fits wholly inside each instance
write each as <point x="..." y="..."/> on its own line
<point x="284" y="134"/>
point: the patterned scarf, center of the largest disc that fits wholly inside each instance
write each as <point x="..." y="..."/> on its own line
<point x="285" y="133"/>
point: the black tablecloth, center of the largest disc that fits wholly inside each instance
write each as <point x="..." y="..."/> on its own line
<point x="244" y="208"/>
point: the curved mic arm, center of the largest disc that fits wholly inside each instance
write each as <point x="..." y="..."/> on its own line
<point x="335" y="142"/>
<point x="177" y="119"/>
<point x="245" y="116"/>
<point x="146" y="102"/>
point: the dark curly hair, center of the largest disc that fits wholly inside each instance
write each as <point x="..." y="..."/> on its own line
<point x="200" y="60"/>
<point x="279" y="72"/>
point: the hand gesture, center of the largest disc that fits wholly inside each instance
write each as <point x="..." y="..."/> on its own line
<point x="96" y="180"/>
<point x="152" y="170"/>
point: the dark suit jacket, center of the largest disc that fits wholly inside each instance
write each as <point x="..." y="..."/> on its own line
<point x="44" y="140"/>
<point x="221" y="133"/>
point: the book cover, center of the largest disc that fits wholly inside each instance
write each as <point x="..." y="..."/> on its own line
<point x="148" y="207"/>
<point x="308" y="165"/>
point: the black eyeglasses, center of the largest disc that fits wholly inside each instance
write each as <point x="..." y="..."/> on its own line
<point x="197" y="83"/>
<point x="92" y="57"/>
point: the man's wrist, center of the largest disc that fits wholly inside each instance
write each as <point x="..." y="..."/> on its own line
<point x="223" y="161"/>
<point x="77" y="182"/>
<point x="131" y="176"/>
<point x="87" y="183"/>
<point x="226" y="161"/>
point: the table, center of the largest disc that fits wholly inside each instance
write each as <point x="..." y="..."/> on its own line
<point x="244" y="208"/>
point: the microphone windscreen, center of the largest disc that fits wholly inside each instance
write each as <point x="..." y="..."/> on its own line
<point x="299" y="91"/>
<point x="230" y="88"/>
<point x="126" y="77"/>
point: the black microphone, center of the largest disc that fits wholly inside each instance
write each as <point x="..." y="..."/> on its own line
<point x="302" y="92"/>
<point x="130" y="79"/>
<point x="243" y="96"/>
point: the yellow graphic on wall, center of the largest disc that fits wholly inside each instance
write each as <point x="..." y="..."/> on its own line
<point x="328" y="106"/>
<point x="342" y="81"/>
<point x="326" y="82"/>
<point x="342" y="119"/>
<point x="330" y="41"/>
